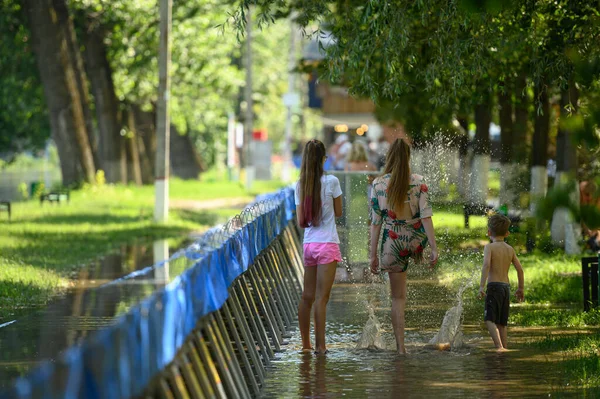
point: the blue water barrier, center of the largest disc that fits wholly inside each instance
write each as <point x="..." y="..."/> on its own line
<point x="211" y="330"/>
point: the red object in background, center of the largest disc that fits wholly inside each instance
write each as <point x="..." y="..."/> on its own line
<point x="260" y="135"/>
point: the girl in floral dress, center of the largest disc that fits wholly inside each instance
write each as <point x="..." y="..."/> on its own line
<point x="401" y="227"/>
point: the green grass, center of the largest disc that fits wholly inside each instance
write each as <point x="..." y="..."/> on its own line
<point x="553" y="283"/>
<point x="44" y="245"/>
<point x="576" y="357"/>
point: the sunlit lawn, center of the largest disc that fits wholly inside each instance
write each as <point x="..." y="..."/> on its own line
<point x="44" y="244"/>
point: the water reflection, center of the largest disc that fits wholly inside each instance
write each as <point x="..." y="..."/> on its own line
<point x="161" y="254"/>
<point x="90" y="304"/>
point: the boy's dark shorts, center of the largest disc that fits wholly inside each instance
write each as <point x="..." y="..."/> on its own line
<point x="497" y="303"/>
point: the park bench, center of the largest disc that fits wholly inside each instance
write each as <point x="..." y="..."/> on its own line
<point x="589" y="274"/>
<point x="57" y="197"/>
<point x="470" y="209"/>
<point x="5" y="206"/>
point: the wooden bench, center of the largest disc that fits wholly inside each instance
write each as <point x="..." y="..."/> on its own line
<point x="56" y="197"/>
<point x="475" y="209"/>
<point x="5" y="206"/>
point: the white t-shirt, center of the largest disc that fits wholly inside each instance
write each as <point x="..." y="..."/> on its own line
<point x="326" y="231"/>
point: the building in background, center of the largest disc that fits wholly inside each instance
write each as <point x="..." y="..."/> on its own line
<point x="342" y="113"/>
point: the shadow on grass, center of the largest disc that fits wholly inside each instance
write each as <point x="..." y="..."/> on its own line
<point x="18" y="299"/>
<point x="87" y="218"/>
<point x="62" y="251"/>
<point x="206" y="218"/>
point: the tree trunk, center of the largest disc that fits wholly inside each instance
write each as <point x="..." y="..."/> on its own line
<point x="61" y="91"/>
<point x="133" y="155"/>
<point x="566" y="156"/>
<point x="145" y="124"/>
<point x="506" y="143"/>
<point x="521" y="127"/>
<point x="481" y="149"/>
<point x="185" y="162"/>
<point x="112" y="145"/>
<point x="463" y="154"/>
<point x="564" y="230"/>
<point x="539" y="147"/>
<point x="66" y="23"/>
<point x="146" y="166"/>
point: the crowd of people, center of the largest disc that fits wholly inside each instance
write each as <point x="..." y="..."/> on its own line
<point x="344" y="155"/>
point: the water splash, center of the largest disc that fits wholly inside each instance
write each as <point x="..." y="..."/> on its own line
<point x="450" y="336"/>
<point x="370" y="337"/>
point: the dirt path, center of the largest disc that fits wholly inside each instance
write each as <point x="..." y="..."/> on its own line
<point x="195" y="205"/>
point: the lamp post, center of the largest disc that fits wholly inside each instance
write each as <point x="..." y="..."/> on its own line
<point x="161" y="179"/>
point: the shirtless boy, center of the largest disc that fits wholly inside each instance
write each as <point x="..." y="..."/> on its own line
<point x="497" y="258"/>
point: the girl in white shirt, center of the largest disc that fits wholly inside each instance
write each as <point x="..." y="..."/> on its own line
<point x="318" y="203"/>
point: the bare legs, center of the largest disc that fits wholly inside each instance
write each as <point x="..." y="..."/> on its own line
<point x="317" y="288"/>
<point x="503" y="336"/>
<point x="398" y="285"/>
<point x="308" y="298"/>
<point x="498" y="334"/>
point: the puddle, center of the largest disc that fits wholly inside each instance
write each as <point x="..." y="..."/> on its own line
<point x="371" y="369"/>
<point x="90" y="304"/>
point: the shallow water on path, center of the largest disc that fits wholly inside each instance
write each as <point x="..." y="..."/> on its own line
<point x="473" y="371"/>
<point x="93" y="301"/>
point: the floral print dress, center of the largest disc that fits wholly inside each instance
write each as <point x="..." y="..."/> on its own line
<point x="400" y="240"/>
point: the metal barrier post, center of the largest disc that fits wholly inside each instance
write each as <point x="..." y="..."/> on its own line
<point x="227" y="318"/>
<point x="279" y="300"/>
<point x="265" y="308"/>
<point x="271" y="294"/>
<point x="195" y="375"/>
<point x="257" y="327"/>
<point x="199" y="344"/>
<point x="283" y="286"/>
<point x="240" y="320"/>
<point x="228" y="363"/>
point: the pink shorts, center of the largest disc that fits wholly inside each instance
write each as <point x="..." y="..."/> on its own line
<point x="321" y="253"/>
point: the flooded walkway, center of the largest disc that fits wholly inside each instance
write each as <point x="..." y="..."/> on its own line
<point x="473" y="371"/>
<point x="93" y="301"/>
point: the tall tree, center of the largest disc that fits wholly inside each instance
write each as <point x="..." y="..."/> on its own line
<point x="111" y="143"/>
<point x="58" y="76"/>
<point x="65" y="21"/>
<point x="539" y="147"/>
<point x="24" y="121"/>
<point x="505" y="111"/>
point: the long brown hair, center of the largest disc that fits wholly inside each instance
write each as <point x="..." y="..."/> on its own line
<point x="397" y="162"/>
<point x="310" y="183"/>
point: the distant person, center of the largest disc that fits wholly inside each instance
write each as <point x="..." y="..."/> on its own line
<point x="400" y="205"/>
<point x="497" y="258"/>
<point x="357" y="159"/>
<point x="359" y="162"/>
<point x="339" y="151"/>
<point x="318" y="199"/>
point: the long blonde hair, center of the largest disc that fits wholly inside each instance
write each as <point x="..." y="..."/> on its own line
<point x="397" y="163"/>
<point x="311" y="172"/>
<point x="358" y="153"/>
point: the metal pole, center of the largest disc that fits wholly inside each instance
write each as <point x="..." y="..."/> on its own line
<point x="249" y="118"/>
<point x="290" y="101"/>
<point x="161" y="181"/>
